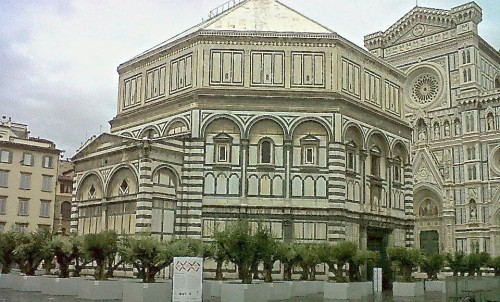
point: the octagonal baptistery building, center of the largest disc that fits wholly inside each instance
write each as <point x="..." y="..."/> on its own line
<point x="257" y="113"/>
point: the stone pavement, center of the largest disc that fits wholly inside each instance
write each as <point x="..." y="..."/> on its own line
<point x="7" y="295"/>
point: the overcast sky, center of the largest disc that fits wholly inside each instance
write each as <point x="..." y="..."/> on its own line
<point x="58" y="58"/>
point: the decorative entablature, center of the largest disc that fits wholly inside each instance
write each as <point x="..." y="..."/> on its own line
<point x="421" y="26"/>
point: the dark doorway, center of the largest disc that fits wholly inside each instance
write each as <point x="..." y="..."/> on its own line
<point x="429" y="242"/>
<point x="377" y="240"/>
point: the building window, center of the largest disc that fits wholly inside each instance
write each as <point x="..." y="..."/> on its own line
<point x="471" y="152"/>
<point x="25" y="181"/>
<point x="123" y="190"/>
<point x="21" y="227"/>
<point x="266" y="150"/>
<point x="3" y="205"/>
<point x="92" y="192"/>
<point x="461" y="245"/>
<point x="66" y="210"/>
<point x="47" y="183"/>
<point x="27" y="159"/>
<point x="47" y="161"/>
<point x="23" y="207"/>
<point x="222" y="152"/>
<point x="397" y="169"/>
<point x="310" y="146"/>
<point x="45" y="208"/>
<point x="471" y="172"/>
<point x="375" y="155"/>
<point x="4" y="177"/>
<point x="5" y="156"/>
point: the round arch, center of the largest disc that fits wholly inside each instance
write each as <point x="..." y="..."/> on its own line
<point x="377" y="133"/>
<point x="207" y="123"/>
<point x="275" y="119"/>
<point x="81" y="182"/>
<point x="182" y="120"/>
<point x="399" y="143"/>
<point x="115" y="171"/>
<point x="168" y="167"/>
<point x="359" y="131"/>
<point x="320" y="121"/>
<point x="148" y="128"/>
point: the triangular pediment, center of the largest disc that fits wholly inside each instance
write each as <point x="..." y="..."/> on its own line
<point x="101" y="143"/>
<point x="425" y="169"/>
<point x="266" y="16"/>
<point x="417" y="31"/>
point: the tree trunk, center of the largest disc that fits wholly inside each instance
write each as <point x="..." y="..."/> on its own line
<point x="149" y="276"/>
<point x="246" y="273"/>
<point x="255" y="270"/>
<point x="218" y="270"/>
<point x="99" y="270"/>
<point x="305" y="271"/>
<point x="312" y="273"/>
<point x="268" y="270"/>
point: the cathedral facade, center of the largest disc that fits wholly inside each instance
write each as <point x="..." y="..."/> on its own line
<point x="257" y="113"/>
<point x="452" y="97"/>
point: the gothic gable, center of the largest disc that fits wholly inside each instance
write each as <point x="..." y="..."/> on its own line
<point x="425" y="169"/>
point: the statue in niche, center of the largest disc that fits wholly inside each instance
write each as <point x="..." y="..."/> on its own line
<point x="427" y="209"/>
<point x="490" y="121"/>
<point x="422" y="135"/>
<point x="436" y="131"/>
<point x="457" y="128"/>
<point x="446" y="130"/>
<point x="473" y="211"/>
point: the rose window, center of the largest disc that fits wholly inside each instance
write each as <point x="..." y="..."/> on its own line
<point x="425" y="89"/>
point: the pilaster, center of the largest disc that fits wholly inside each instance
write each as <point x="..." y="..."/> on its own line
<point x="144" y="194"/>
<point x="336" y="190"/>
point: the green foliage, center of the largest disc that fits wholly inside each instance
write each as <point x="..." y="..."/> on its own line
<point x="336" y="256"/>
<point x="219" y="256"/>
<point x="405" y="259"/>
<point x="494" y="263"/>
<point x="288" y="256"/>
<point x="147" y="255"/>
<point x="362" y="257"/>
<point x="240" y="247"/>
<point x="101" y="247"/>
<point x="456" y="262"/>
<point x="80" y="257"/>
<point x="267" y="248"/>
<point x="8" y="243"/>
<point x="432" y="265"/>
<point x="473" y="262"/>
<point x="30" y="251"/>
<point x="64" y="250"/>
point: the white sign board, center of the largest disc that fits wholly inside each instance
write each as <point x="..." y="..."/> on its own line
<point x="377" y="279"/>
<point x="188" y="279"/>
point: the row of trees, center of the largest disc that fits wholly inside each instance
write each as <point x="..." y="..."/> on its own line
<point x="239" y="243"/>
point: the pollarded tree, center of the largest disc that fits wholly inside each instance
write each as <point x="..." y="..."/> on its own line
<point x="100" y="247"/>
<point x="475" y="261"/>
<point x="8" y="243"/>
<point x="432" y="265"/>
<point x="64" y="251"/>
<point x="405" y="259"/>
<point x="148" y="255"/>
<point x="219" y="256"/>
<point x="81" y="258"/>
<point x="494" y="263"/>
<point x="336" y="256"/>
<point x="267" y="251"/>
<point x="361" y="258"/>
<point x="289" y="257"/>
<point x="308" y="258"/>
<point x="240" y="247"/>
<point x="456" y="262"/>
<point x="29" y="252"/>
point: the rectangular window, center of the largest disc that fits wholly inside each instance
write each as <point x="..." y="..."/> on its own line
<point x="25" y="181"/>
<point x="227" y="67"/>
<point x="181" y="73"/>
<point x="267" y="68"/>
<point x="47" y="183"/>
<point x="155" y="82"/>
<point x="27" y="159"/>
<point x="132" y="91"/>
<point x="309" y="155"/>
<point x="3" y="205"/>
<point x="350" y="77"/>
<point x="222" y="153"/>
<point x="4" y="178"/>
<point x="372" y="88"/>
<point x="47" y="161"/>
<point x="5" y="156"/>
<point x="308" y="69"/>
<point x="397" y="172"/>
<point x="392" y="98"/>
<point x="461" y="245"/>
<point x="23" y="207"/>
<point x="45" y="208"/>
<point x="351" y="160"/>
<point x="21" y="227"/>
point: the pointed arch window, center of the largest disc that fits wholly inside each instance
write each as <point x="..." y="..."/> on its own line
<point x="123" y="190"/>
<point x="92" y="192"/>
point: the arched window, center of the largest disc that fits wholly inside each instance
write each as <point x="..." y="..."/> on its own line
<point x="123" y="188"/>
<point x="468" y="56"/>
<point x="469" y="75"/>
<point x="66" y="210"/>
<point x="497" y="82"/>
<point x="463" y="58"/>
<point x="266" y="151"/>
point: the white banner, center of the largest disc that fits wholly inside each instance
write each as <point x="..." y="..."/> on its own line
<point x="188" y="279"/>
